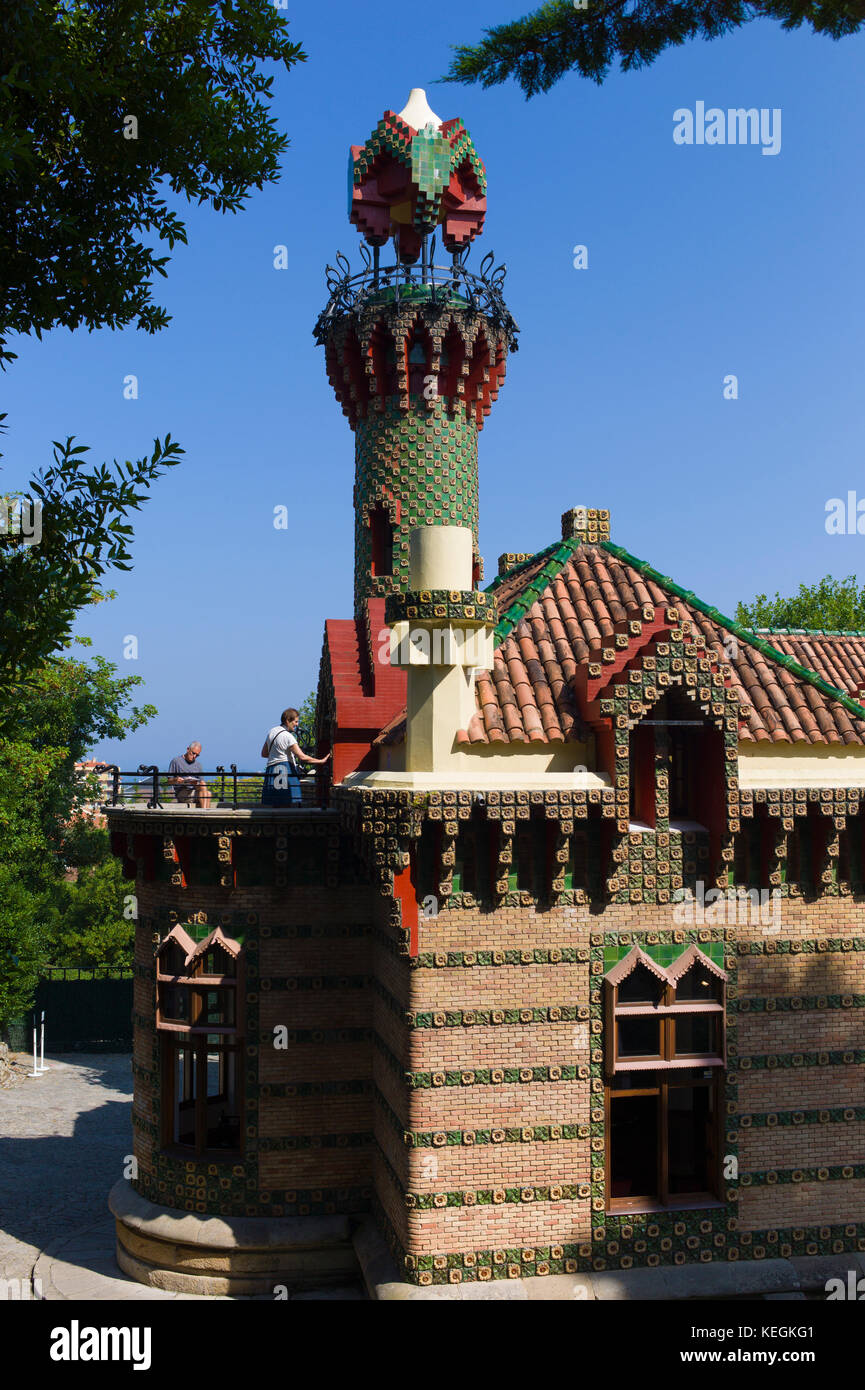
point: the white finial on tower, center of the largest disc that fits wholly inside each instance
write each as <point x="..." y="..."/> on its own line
<point x="417" y="110"/>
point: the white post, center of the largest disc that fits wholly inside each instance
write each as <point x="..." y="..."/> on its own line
<point x="42" y="1066"/>
<point x="35" y="1071"/>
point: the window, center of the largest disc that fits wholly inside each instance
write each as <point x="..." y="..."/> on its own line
<point x="664" y="1058"/>
<point x="201" y="1095"/>
<point x="641" y="762"/>
<point x="682" y="774"/>
<point x="201" y="1048"/>
<point x="418" y="365"/>
<point x="381" y="542"/>
<point x="662" y="1140"/>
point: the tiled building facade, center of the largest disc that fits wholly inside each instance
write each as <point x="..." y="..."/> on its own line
<point x="568" y="972"/>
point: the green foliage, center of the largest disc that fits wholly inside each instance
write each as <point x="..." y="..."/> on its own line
<point x="306" y="727"/>
<point x="105" y="105"/>
<point x="81" y="211"/>
<point x="21" y="944"/>
<point x="84" y="922"/>
<point x="831" y="604"/>
<point x="69" y="705"/>
<point x="84" y="534"/>
<point x="540" y="48"/>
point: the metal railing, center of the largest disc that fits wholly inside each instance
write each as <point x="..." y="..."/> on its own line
<point x="437" y="284"/>
<point x="229" y="788"/>
<point x="86" y="972"/>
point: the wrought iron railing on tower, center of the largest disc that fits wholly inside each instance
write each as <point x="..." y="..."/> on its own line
<point x="434" y="284"/>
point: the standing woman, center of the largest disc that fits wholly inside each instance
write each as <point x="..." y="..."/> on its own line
<point x="283" y="753"/>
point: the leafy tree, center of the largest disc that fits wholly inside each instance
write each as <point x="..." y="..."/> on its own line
<point x="84" y="533"/>
<point x="83" y="920"/>
<point x="21" y="945"/>
<point x="831" y="604"/>
<point x="105" y="105"/>
<point x="69" y="705"/>
<point x="559" y="37"/>
<point x="306" y="726"/>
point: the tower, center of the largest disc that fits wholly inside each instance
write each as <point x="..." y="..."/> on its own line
<point x="415" y="351"/>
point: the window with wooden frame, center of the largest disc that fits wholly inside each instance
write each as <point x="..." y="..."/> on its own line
<point x="665" y="1055"/>
<point x="199" y="998"/>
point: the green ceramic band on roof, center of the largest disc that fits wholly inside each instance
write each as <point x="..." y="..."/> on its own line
<point x="558" y="557"/>
<point x="745" y="634"/>
<point x="523" y="565"/>
<point x="812" y="631"/>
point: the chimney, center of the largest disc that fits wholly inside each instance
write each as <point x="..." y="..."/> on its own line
<point x="586" y="524"/>
<point x="441" y="632"/>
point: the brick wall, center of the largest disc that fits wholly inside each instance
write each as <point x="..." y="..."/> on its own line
<point x="464" y="1088"/>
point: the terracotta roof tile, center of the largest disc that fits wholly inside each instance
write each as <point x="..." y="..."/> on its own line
<point x="564" y="605"/>
<point x="575" y="614"/>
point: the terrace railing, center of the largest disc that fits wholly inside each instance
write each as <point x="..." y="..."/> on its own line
<point x="230" y="788"/>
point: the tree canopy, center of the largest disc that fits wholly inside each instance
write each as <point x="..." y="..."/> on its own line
<point x="83" y="533"/>
<point x="562" y="36"/>
<point x="70" y="704"/>
<point x="105" y="106"/>
<point x="835" y="605"/>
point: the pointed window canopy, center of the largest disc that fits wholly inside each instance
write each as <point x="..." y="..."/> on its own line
<point x="661" y="1018"/>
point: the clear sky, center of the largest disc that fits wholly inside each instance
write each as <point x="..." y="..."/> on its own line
<point x="703" y="261"/>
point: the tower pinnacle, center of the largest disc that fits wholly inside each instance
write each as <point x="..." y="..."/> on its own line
<point x="416" y="111"/>
<point x="415" y="351"/>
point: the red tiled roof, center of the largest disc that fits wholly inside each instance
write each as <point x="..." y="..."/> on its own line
<point x="364" y="693"/>
<point x="839" y="657"/>
<point x="565" y="604"/>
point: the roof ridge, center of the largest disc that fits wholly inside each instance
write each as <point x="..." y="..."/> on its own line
<point x="517" y="569"/>
<point x="747" y="635"/>
<point x="812" y="631"/>
<point x="559" y="552"/>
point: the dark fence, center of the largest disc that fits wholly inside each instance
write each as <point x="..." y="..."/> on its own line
<point x="226" y="787"/>
<point x="85" y="1011"/>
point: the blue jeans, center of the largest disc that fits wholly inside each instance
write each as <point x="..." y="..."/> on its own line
<point x="281" y="786"/>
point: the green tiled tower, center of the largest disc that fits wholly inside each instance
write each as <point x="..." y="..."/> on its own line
<point x="415" y="352"/>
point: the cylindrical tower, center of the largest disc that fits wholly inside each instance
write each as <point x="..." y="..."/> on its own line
<point x="415" y="351"/>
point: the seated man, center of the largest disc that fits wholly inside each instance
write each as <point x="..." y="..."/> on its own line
<point x="186" y="774"/>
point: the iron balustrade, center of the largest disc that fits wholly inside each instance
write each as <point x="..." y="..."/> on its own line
<point x="449" y="285"/>
<point x="86" y="972"/>
<point x="230" y="788"/>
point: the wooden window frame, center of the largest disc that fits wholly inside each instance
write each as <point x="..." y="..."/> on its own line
<point x="171" y="1043"/>
<point x="663" y="1070"/>
<point x="664" y="1200"/>
<point x="667" y="1011"/>
<point x="197" y="1036"/>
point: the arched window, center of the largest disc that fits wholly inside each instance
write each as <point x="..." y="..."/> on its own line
<point x="418" y="367"/>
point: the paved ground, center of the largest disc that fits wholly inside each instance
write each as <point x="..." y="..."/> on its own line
<point x="63" y="1140"/>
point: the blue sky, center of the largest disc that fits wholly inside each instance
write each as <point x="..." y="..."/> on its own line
<point x="703" y="261"/>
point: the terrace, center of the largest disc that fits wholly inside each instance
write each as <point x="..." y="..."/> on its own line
<point x="231" y="789"/>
